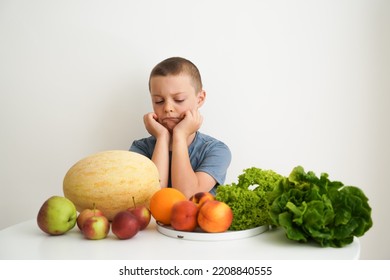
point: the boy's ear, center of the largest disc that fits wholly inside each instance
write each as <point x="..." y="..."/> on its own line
<point x="201" y="98"/>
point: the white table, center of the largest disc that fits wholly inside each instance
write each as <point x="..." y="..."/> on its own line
<point x="27" y="242"/>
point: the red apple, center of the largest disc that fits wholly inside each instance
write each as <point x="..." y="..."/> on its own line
<point x="142" y="213"/>
<point x="184" y="215"/>
<point x="125" y="225"/>
<point x="85" y="214"/>
<point x="96" y="227"/>
<point x="215" y="216"/>
<point x="201" y="197"/>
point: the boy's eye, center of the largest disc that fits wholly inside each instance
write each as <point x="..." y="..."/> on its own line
<point x="159" y="101"/>
<point x="179" y="100"/>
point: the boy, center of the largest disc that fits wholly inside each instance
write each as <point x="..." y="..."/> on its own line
<point x="186" y="159"/>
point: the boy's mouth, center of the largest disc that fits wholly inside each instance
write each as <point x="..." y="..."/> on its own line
<point x="171" y="119"/>
<point x="170" y="122"/>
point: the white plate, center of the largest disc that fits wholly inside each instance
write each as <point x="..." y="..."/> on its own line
<point x="204" y="236"/>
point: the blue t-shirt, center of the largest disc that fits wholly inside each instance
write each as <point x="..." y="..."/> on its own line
<point x="207" y="154"/>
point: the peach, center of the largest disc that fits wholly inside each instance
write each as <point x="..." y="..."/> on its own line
<point x="201" y="197"/>
<point x="215" y="216"/>
<point x="184" y="215"/>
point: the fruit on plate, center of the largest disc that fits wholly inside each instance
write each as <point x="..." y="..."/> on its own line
<point x="184" y="215"/>
<point x="215" y="216"/>
<point x="85" y="214"/>
<point x="201" y="197"/>
<point x="161" y="204"/>
<point x="57" y="215"/>
<point x="110" y="179"/>
<point x="142" y="213"/>
<point x="125" y="225"/>
<point x="96" y="227"/>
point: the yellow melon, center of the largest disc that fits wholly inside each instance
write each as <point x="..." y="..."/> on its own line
<point x="109" y="180"/>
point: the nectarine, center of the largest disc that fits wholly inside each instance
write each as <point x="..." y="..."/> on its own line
<point x="201" y="197"/>
<point x="184" y="216"/>
<point x="215" y="216"/>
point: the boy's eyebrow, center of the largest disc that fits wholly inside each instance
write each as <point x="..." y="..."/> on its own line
<point x="174" y="94"/>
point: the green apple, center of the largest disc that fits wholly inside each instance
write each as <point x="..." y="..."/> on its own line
<point x="57" y="215"/>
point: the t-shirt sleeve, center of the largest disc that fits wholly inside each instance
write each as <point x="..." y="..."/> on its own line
<point x="141" y="147"/>
<point x="216" y="162"/>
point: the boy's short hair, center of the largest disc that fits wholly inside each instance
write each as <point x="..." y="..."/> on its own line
<point x="176" y="66"/>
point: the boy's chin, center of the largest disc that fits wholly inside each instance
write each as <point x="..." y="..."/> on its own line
<point x="170" y="128"/>
<point x="169" y="125"/>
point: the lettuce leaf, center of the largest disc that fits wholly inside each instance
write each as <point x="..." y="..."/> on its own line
<point x="314" y="208"/>
<point x="248" y="198"/>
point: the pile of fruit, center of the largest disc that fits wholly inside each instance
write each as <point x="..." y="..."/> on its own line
<point x="170" y="207"/>
<point x="58" y="215"/>
<point x="121" y="190"/>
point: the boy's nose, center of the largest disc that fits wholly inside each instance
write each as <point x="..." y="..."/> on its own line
<point x="168" y="108"/>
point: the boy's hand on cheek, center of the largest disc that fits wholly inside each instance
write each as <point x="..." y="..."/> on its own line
<point x="190" y="123"/>
<point x="153" y="126"/>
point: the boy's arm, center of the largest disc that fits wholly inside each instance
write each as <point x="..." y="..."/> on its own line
<point x="160" y="155"/>
<point x="160" y="158"/>
<point x="183" y="176"/>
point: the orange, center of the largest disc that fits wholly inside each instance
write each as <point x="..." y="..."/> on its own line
<point x="161" y="204"/>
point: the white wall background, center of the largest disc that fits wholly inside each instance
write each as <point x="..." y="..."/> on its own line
<point x="289" y="83"/>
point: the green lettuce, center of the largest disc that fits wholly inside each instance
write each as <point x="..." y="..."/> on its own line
<point x="315" y="208"/>
<point x="248" y="198"/>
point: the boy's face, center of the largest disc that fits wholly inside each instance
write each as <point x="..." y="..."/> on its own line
<point x="172" y="96"/>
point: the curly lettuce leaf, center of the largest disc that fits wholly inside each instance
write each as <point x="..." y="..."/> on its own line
<point x="248" y="198"/>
